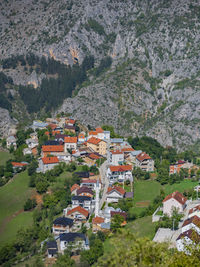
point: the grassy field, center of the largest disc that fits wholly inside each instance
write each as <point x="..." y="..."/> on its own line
<point x="12" y="198"/>
<point x="186" y="184"/>
<point x="4" y="156"/>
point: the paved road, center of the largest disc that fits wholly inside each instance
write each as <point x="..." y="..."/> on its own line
<point x="104" y="181"/>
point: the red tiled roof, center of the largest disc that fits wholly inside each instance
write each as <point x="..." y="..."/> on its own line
<point x="97" y="220"/>
<point x="80" y="210"/>
<point x="178" y="196"/>
<point x="94" y="140"/>
<point x="116" y="152"/>
<point x="70" y="139"/>
<point x="53" y="148"/>
<point x="94" y="156"/>
<point x="72" y="121"/>
<point x="89" y="181"/>
<point x="117" y="188"/>
<point x="52" y="126"/>
<point x="195" y="220"/>
<point x="18" y="164"/>
<point x="142" y="156"/>
<point x="197" y="208"/>
<point x="121" y="168"/>
<point x="191" y="234"/>
<point x="74" y="186"/>
<point x="50" y="160"/>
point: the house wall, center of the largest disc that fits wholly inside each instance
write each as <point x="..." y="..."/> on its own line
<point x="77" y="216"/>
<point x="197" y="213"/>
<point x="80" y="243"/>
<point x="116" y="159"/>
<point x="180" y="244"/>
<point x="113" y="197"/>
<point x="170" y="204"/>
<point x="69" y="146"/>
<point x="56" y="229"/>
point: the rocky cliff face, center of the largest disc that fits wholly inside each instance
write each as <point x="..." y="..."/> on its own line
<point x="7" y="125"/>
<point x="153" y="85"/>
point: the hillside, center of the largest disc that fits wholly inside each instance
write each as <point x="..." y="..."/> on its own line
<point x="152" y="86"/>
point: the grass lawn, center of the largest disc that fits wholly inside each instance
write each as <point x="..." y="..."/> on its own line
<point x="183" y="185"/>
<point x="4" y="156"/>
<point x="12" y="198"/>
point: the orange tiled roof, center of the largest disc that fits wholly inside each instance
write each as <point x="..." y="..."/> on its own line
<point x="94" y="156"/>
<point x="18" y="164"/>
<point x="81" y="135"/>
<point x="196" y="208"/>
<point x="52" y="148"/>
<point x="97" y="220"/>
<point x="121" y="168"/>
<point x="80" y="210"/>
<point x="70" y="139"/>
<point x="99" y="130"/>
<point x="178" y="196"/>
<point x="117" y="188"/>
<point x="74" y="186"/>
<point x="52" y="126"/>
<point x="72" y="121"/>
<point x="92" y="133"/>
<point x="94" y="140"/>
<point x="50" y="160"/>
<point x="142" y="156"/>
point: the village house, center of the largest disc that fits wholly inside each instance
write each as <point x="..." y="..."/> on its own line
<point x="114" y="194"/>
<point x="191" y="223"/>
<point x="52" y="249"/>
<point x="39" y="125"/>
<point x="85" y="191"/>
<point x="47" y="163"/>
<point x="70" y="129"/>
<point x="60" y="138"/>
<point x="70" y="122"/>
<point x="81" y="138"/>
<point x="91" y="158"/>
<point x="100" y="133"/>
<point x="78" y="214"/>
<point x="11" y="141"/>
<point x="116" y="157"/>
<point x="189" y="238"/>
<point x="131" y="156"/>
<point x="116" y="142"/>
<point x="70" y="143"/>
<point x="144" y="162"/>
<point x="174" y="201"/>
<point x="175" y="168"/>
<point x="76" y="241"/>
<point x="27" y="151"/>
<point x="120" y="173"/>
<point x="55" y="150"/>
<point x="194" y="212"/>
<point x="91" y="183"/>
<point x="18" y="166"/>
<point x="82" y="201"/>
<point x="62" y="225"/>
<point x="74" y="188"/>
<point x="97" y="145"/>
<point x="96" y="224"/>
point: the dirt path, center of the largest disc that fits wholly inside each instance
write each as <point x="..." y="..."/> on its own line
<point x="8" y="219"/>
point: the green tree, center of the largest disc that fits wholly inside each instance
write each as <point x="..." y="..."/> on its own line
<point x="116" y="222"/>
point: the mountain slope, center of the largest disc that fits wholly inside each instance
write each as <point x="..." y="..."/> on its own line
<point x="153" y="85"/>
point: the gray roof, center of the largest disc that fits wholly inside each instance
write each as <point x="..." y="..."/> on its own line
<point x="105" y="225"/>
<point x="136" y="152"/>
<point x="70" y="237"/>
<point x="63" y="221"/>
<point x="81" y="198"/>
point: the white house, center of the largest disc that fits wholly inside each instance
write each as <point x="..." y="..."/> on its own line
<point x="74" y="240"/>
<point x="27" y="151"/>
<point x="82" y="201"/>
<point x="81" y="138"/>
<point x="191" y="223"/>
<point x="62" y="225"/>
<point x="47" y="163"/>
<point x="70" y="143"/>
<point x="31" y="142"/>
<point x="194" y="212"/>
<point x="187" y="239"/>
<point x="114" y="194"/>
<point x="174" y="201"/>
<point x="90" y="183"/>
<point x="100" y="133"/>
<point x="144" y="162"/>
<point x="116" y="157"/>
<point x="120" y="173"/>
<point x="78" y="214"/>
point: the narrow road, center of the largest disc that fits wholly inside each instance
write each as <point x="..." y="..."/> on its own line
<point x="105" y="182"/>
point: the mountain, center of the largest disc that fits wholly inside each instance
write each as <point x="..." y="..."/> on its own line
<point x="152" y="85"/>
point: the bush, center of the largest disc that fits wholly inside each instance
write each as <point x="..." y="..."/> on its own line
<point x="30" y="204"/>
